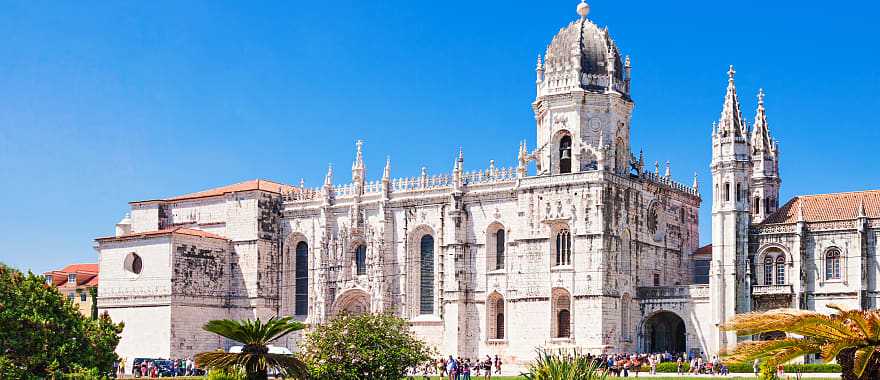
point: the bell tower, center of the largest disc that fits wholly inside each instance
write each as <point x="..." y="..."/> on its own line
<point x="765" y="180"/>
<point x="731" y="177"/>
<point x="582" y="106"/>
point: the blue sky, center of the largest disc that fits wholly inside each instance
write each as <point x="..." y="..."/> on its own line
<point x="101" y="104"/>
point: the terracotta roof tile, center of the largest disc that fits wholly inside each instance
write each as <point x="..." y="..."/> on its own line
<point x="167" y="231"/>
<point x="828" y="207"/>
<point x="255" y="184"/>
<point x="85" y="273"/>
<point x="704" y="250"/>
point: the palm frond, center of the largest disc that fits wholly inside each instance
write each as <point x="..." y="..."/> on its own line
<point x="831" y="349"/>
<point x="862" y="357"/>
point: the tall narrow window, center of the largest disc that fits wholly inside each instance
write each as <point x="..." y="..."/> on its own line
<point x="564" y="321"/>
<point x="757" y="205"/>
<point x="767" y="206"/>
<point x="499" y="318"/>
<point x="726" y="192"/>
<point x="780" y="270"/>
<point x="301" y="303"/>
<point x="738" y="192"/>
<point x="565" y="155"/>
<point x="563" y="247"/>
<point x="426" y="284"/>
<point x="360" y="259"/>
<point x="499" y="249"/>
<point x="768" y="270"/>
<point x="832" y="264"/>
<point x="624" y="316"/>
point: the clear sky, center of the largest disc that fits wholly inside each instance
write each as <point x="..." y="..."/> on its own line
<point x="101" y="104"/>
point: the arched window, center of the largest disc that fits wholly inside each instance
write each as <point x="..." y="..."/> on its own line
<point x="499" y="249"/>
<point x="563" y="247"/>
<point x="426" y="280"/>
<point x="832" y="264"/>
<point x="561" y="312"/>
<point x="360" y="259"/>
<point x="301" y="302"/>
<point x="768" y="270"/>
<point x="780" y="270"/>
<point x="563" y="319"/>
<point x="499" y="321"/>
<point x="565" y="154"/>
<point x="726" y="192"/>
<point x="757" y="205"/>
<point x="738" y="192"/>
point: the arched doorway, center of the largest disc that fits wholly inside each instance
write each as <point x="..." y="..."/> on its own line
<point x="662" y="332"/>
<point x="352" y="302"/>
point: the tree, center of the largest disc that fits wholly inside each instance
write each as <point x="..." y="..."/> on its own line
<point x="369" y="346"/>
<point x="850" y="336"/>
<point x="254" y="356"/>
<point x="42" y="333"/>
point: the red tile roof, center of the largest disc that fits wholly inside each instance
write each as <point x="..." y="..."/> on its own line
<point x="828" y="207"/>
<point x="704" y="250"/>
<point x="255" y="184"/>
<point x="163" y="232"/>
<point x="85" y="274"/>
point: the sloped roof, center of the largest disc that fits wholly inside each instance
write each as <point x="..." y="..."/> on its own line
<point x="704" y="250"/>
<point x="85" y="274"/>
<point x="828" y="207"/>
<point x="163" y="232"/>
<point x="254" y="184"/>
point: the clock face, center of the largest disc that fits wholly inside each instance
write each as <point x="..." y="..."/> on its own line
<point x="595" y="124"/>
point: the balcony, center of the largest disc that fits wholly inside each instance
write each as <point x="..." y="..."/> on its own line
<point x="771" y="290"/>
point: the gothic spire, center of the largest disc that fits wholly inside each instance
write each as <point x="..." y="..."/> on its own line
<point x="696" y="183"/>
<point x="386" y="175"/>
<point x="328" y="179"/>
<point x="761" y="140"/>
<point x="731" y="116"/>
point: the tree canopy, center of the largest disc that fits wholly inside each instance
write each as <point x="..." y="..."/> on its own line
<point x="370" y="346"/>
<point x="42" y="333"/>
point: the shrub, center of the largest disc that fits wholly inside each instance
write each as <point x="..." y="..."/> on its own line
<point x="370" y="346"/>
<point x="218" y="374"/>
<point x="564" y="365"/>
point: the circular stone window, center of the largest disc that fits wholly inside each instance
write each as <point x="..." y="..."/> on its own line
<point x="133" y="263"/>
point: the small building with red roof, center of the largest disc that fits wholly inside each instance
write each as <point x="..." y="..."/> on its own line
<point x="79" y="283"/>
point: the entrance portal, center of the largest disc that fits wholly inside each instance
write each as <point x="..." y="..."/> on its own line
<point x="664" y="332"/>
<point x="353" y="302"/>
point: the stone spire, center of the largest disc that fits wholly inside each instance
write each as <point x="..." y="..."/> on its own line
<point x="761" y="140"/>
<point x="386" y="175"/>
<point x="328" y="179"/>
<point x="668" y="169"/>
<point x="862" y="213"/>
<point x="358" y="170"/>
<point x="696" y="183"/>
<point x="458" y="171"/>
<point x="731" y="122"/>
<point x="522" y="156"/>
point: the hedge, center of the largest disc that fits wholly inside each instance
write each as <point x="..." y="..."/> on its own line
<point x="671" y="367"/>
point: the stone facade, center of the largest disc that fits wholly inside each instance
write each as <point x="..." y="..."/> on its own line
<point x="586" y="248"/>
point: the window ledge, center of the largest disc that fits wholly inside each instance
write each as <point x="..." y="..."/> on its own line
<point x="562" y="268"/>
<point x="496" y="341"/>
<point x="497" y="271"/>
<point x="561" y="340"/>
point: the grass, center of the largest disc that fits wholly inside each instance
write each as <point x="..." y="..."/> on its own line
<point x="628" y="378"/>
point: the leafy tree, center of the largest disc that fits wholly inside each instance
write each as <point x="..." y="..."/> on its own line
<point x="850" y="336"/>
<point x="42" y="333"/>
<point x="254" y="357"/>
<point x="370" y="346"/>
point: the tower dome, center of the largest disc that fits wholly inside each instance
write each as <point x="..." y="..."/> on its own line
<point x="584" y="55"/>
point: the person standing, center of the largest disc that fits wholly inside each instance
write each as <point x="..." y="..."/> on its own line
<point x="497" y="365"/>
<point x="679" y="366"/>
<point x="451" y="367"/>
<point x="756" y="366"/>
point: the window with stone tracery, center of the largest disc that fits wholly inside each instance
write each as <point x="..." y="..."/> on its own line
<point x="563" y="247"/>
<point x="652" y="219"/>
<point x="832" y="264"/>
<point x="495" y="316"/>
<point x="565" y="155"/>
<point x="301" y="282"/>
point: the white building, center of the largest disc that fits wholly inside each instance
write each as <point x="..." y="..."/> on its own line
<point x="588" y="248"/>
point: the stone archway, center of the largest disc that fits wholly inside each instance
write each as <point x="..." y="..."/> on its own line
<point x="352" y="302"/>
<point x="663" y="331"/>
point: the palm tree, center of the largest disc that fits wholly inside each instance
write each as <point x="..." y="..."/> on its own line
<point x="254" y="358"/>
<point x="850" y="336"/>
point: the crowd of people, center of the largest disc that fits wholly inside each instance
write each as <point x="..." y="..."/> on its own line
<point x="626" y="365"/>
<point x="154" y="368"/>
<point x="456" y="368"/>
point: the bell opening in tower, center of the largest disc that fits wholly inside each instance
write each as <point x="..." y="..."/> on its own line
<point x="565" y="155"/>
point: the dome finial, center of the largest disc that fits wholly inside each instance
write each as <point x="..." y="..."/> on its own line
<point x="583" y="9"/>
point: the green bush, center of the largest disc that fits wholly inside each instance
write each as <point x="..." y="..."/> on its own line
<point x="671" y="367"/>
<point x="564" y="365"/>
<point x="217" y="374"/>
<point x="370" y="346"/>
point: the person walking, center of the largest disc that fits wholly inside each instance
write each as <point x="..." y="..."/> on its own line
<point x="497" y="365"/>
<point x="451" y="368"/>
<point x="487" y="367"/>
<point x="679" y="366"/>
<point x="756" y="366"/>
